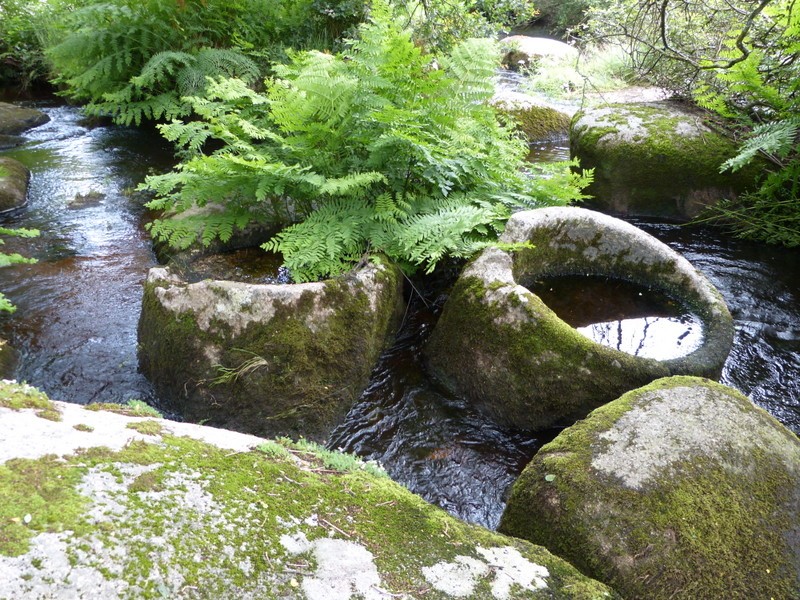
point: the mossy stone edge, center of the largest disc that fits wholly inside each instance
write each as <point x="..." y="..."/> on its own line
<point x="196" y="512"/>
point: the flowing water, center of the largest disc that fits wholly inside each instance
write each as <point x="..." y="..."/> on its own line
<point x="78" y="309"/>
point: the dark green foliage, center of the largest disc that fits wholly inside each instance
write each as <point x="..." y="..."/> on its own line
<point x="380" y="148"/>
<point x="137" y="60"/>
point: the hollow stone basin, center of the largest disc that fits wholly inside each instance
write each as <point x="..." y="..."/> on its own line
<point x="498" y="345"/>
<point x="267" y="359"/>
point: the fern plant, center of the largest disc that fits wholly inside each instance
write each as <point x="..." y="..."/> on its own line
<point x="381" y="148"/>
<point x="136" y="60"/>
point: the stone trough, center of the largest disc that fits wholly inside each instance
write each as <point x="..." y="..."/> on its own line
<point x="267" y="359"/>
<point x="498" y="345"/>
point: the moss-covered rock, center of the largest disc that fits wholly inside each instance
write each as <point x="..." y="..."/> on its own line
<point x="93" y="508"/>
<point x="654" y="159"/>
<point x="682" y="490"/>
<point x="14" y="178"/>
<point x="16" y="119"/>
<point x="498" y="345"/>
<point x="267" y="359"/>
<point x="537" y="121"/>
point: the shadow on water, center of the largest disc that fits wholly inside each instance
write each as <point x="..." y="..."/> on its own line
<point x="79" y="306"/>
<point x="429" y="440"/>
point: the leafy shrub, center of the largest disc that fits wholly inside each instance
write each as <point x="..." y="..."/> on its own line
<point x="381" y="148"/>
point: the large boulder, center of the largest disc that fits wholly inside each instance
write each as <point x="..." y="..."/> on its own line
<point x="657" y="159"/>
<point x="16" y="119"/>
<point x="498" y="345"/>
<point x="99" y="505"/>
<point x="680" y="490"/>
<point x="14" y="178"/>
<point x="267" y="359"/>
<point x="522" y="50"/>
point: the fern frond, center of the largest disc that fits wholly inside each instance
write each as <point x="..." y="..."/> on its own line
<point x="776" y="140"/>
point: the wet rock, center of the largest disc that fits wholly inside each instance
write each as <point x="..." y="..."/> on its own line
<point x="267" y="359"/>
<point x="8" y="359"/>
<point x="523" y="50"/>
<point x="14" y="178"/>
<point x="499" y="346"/>
<point x="16" y="119"/>
<point x="657" y="159"/>
<point x="536" y="119"/>
<point x="682" y="490"/>
<point x="106" y="506"/>
<point x="10" y="141"/>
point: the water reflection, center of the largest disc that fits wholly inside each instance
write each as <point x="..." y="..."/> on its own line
<point x="79" y="306"/>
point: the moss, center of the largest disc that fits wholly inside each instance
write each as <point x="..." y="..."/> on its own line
<point x="134" y="408"/>
<point x="539" y="123"/>
<point x="185" y="515"/>
<point x="146" y="427"/>
<point x="51" y="414"/>
<point x="281" y="377"/>
<point x="699" y="532"/>
<point x="17" y="396"/>
<point x="83" y="427"/>
<point x="530" y="374"/>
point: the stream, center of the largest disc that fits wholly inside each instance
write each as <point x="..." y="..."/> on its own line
<point x="78" y="307"/>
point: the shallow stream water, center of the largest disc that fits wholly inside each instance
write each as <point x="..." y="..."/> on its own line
<point x="78" y="309"/>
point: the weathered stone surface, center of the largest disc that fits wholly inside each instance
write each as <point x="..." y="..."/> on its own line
<point x="654" y="159"/>
<point x="103" y="506"/>
<point x="14" y="177"/>
<point x="267" y="359"/>
<point x="16" y="119"/>
<point x="498" y="345"/>
<point x="524" y="49"/>
<point x="682" y="490"/>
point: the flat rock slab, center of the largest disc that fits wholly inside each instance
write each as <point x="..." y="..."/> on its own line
<point x="682" y="489"/>
<point x="14" y="178"/>
<point x="104" y="506"/>
<point x="655" y="159"/>
<point x="16" y="119"/>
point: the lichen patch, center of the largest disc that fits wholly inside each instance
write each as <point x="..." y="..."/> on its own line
<point x="505" y="567"/>
<point x="640" y="447"/>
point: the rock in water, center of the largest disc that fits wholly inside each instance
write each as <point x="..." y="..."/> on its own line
<point x="682" y="489"/>
<point x="657" y="159"/>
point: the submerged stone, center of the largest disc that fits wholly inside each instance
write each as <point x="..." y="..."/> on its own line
<point x="268" y="359"/>
<point x="14" y="178"/>
<point x="500" y="346"/>
<point x="94" y="508"/>
<point x="16" y="119"/>
<point x="656" y="159"/>
<point x="682" y="489"/>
